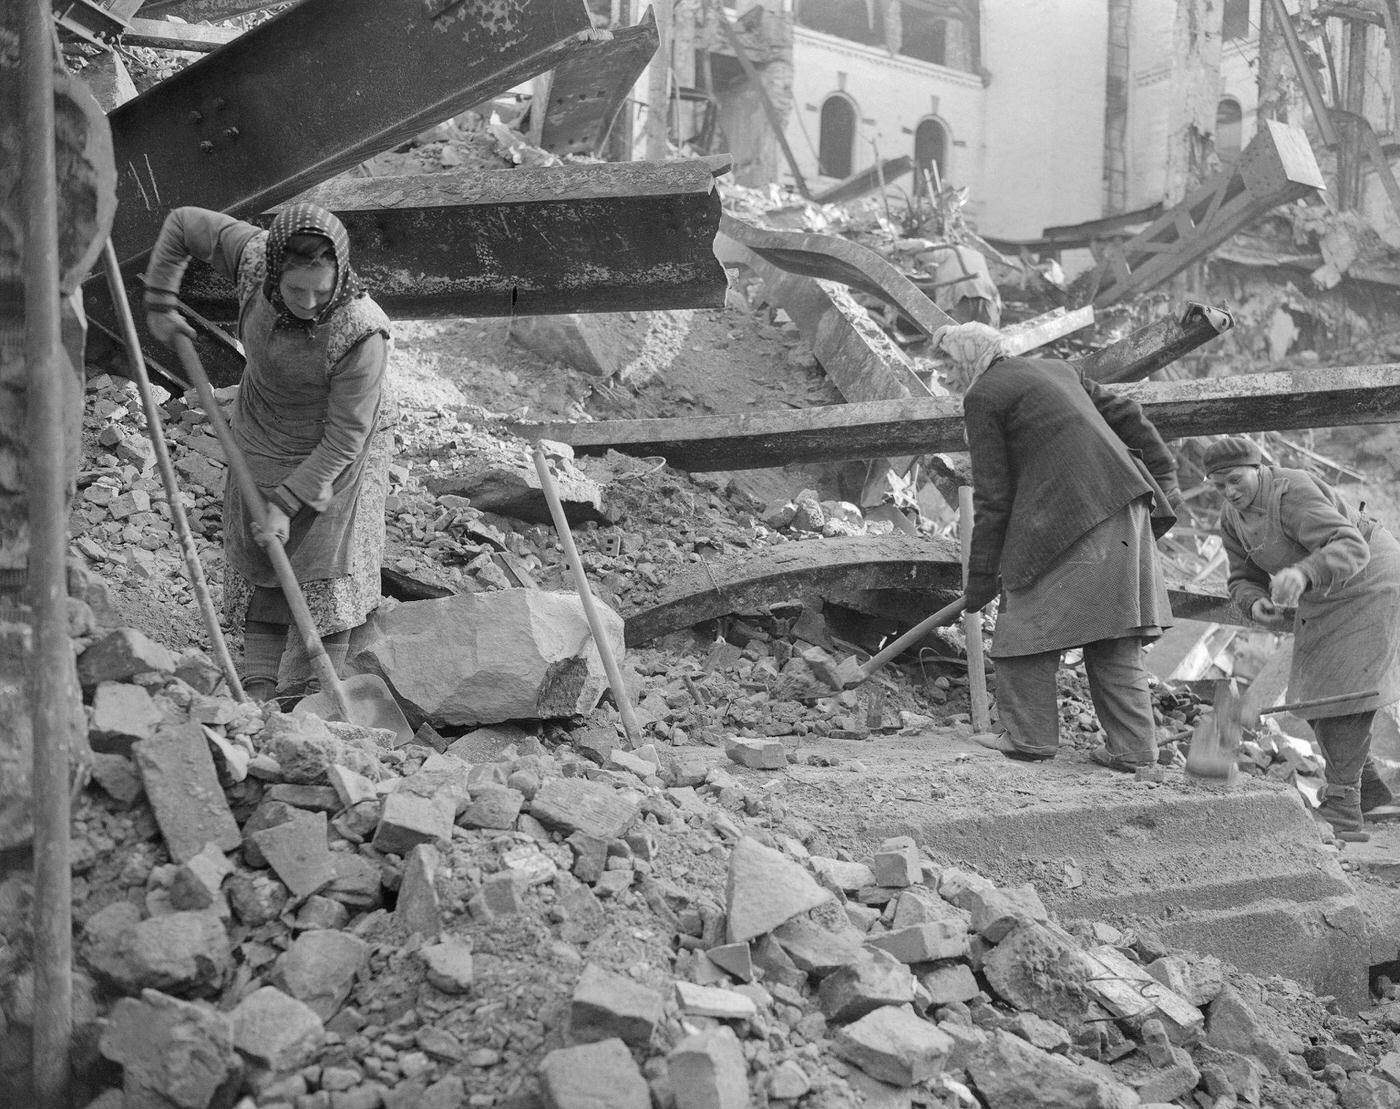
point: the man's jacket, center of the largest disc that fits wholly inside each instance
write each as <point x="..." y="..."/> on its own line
<point x="1054" y="455"/>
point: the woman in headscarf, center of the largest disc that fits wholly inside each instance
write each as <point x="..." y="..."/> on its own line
<point x="1293" y="540"/>
<point x="1071" y="484"/>
<point x="313" y="418"/>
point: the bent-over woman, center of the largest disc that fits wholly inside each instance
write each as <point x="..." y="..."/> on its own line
<point x="1071" y="485"/>
<point x="1294" y="540"/>
<point x="313" y="418"/>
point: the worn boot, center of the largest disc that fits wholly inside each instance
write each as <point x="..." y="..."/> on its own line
<point x="1340" y="806"/>
<point x="1374" y="791"/>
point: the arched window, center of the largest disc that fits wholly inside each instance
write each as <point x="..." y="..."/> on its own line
<point x="1234" y="22"/>
<point x="930" y="146"/>
<point x="838" y="137"/>
<point x="1229" y="136"/>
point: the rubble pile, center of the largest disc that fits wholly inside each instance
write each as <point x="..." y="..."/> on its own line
<point x="292" y="914"/>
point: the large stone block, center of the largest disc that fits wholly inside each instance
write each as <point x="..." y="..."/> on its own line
<point x="120" y="655"/>
<point x="319" y="969"/>
<point x="607" y="1005"/>
<point x="894" y="1045"/>
<point x="592" y="1076"/>
<point x="766" y="888"/>
<point x="183" y="787"/>
<point x="481" y="658"/>
<point x="172" y="1053"/>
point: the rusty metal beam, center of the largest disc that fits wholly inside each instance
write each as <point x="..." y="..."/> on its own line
<point x="315" y="90"/>
<point x="917" y="425"/>
<point x="1160" y="343"/>
<point x="1277" y="166"/>
<point x="606" y="237"/>
<point x="587" y="90"/>
<point x="913" y="566"/>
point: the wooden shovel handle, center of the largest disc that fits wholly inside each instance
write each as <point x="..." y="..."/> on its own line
<point x="276" y="553"/>
<point x="1318" y="702"/>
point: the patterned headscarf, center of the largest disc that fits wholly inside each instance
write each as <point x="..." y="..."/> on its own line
<point x="300" y="219"/>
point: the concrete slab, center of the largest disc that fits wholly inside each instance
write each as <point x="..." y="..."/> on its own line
<point x="1238" y="871"/>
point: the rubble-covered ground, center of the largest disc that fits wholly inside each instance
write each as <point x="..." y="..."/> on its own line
<point x="276" y="912"/>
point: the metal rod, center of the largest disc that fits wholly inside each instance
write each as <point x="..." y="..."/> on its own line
<point x="585" y="595"/>
<point x="52" y="659"/>
<point x="321" y="664"/>
<point x="193" y="567"/>
<point x="972" y="624"/>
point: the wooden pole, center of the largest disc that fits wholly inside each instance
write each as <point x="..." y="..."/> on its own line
<point x="658" y="130"/>
<point x="972" y="624"/>
<point x="52" y="659"/>
<point x="193" y="567"/>
<point x="585" y="595"/>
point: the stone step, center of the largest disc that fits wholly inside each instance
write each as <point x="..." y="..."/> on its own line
<point x="1241" y="874"/>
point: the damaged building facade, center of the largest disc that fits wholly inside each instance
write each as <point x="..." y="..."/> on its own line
<point x="1148" y="96"/>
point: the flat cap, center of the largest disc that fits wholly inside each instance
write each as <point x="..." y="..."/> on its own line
<point x="1233" y="450"/>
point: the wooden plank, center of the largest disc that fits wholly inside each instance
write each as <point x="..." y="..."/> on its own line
<point x="924" y="569"/>
<point x="1277" y="166"/>
<point x="1032" y="334"/>
<point x="1335" y="397"/>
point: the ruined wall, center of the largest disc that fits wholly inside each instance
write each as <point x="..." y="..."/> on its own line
<point x="892" y="95"/>
<point x="1176" y="87"/>
<point x="1044" y="136"/>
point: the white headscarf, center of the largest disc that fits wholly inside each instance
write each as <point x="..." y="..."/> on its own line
<point x="971" y="346"/>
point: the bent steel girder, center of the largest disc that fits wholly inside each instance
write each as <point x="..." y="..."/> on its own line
<point x="315" y="90"/>
<point x="915" y="567"/>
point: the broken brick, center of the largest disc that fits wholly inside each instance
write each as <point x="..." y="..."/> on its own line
<point x="297" y="851"/>
<point x="894" y="1045"/>
<point x="765" y="888"/>
<point x="607" y="1005"/>
<point x="593" y="1075"/>
<point x="708" y="1071"/>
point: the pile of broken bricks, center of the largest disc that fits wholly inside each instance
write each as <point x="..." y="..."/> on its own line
<point x="277" y="912"/>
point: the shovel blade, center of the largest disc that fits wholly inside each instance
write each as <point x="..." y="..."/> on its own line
<point x="371" y="706"/>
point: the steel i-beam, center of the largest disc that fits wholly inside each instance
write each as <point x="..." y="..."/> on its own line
<point x="608" y="237"/>
<point x="315" y="90"/>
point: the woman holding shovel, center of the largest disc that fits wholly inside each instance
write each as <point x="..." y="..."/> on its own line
<point x="313" y="418"/>
<point x="1292" y="540"/>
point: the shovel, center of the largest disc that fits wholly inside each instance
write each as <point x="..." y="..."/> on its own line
<point x="1218" y="733"/>
<point x="367" y="701"/>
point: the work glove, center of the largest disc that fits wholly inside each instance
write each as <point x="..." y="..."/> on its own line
<point x="982" y="590"/>
<point x="1177" y="502"/>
